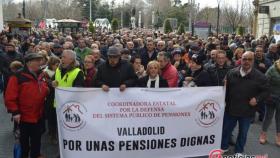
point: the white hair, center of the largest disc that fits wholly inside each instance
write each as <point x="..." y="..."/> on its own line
<point x="71" y="53"/>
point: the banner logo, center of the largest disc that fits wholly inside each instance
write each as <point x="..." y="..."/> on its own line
<point x="72" y="116"/>
<point x="207" y="113"/>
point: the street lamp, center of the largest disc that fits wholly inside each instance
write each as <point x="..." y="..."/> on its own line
<point x="90" y="14"/>
<point x="218" y="19"/>
<point x="23" y="8"/>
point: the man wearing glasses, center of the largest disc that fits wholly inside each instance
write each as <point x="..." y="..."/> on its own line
<point x="115" y="72"/>
<point x="245" y="88"/>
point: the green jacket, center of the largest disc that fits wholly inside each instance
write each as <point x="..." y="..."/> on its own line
<point x="81" y="54"/>
<point x="274" y="80"/>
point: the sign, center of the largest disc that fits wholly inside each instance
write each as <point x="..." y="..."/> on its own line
<point x="139" y="123"/>
<point x="264" y="9"/>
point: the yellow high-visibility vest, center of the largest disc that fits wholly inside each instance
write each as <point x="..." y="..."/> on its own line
<point x="68" y="79"/>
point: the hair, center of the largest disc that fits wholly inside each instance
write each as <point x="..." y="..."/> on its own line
<point x="52" y="61"/>
<point x="93" y="45"/>
<point x="238" y="50"/>
<point x="44" y="54"/>
<point x="71" y="52"/>
<point x="69" y="45"/>
<point x="133" y="58"/>
<point x="125" y="51"/>
<point x="259" y="46"/>
<point x="165" y="55"/>
<point x="90" y="57"/>
<point x="150" y="64"/>
<point x="272" y="45"/>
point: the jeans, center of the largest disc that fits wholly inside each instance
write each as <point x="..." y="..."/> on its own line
<point x="228" y="127"/>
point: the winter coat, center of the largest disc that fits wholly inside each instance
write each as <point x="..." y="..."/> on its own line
<point x="25" y="95"/>
<point x="240" y="90"/>
<point x="122" y="73"/>
<point x="170" y="74"/>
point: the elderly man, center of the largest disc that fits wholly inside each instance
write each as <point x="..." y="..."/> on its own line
<point x="245" y="88"/>
<point x="212" y="59"/>
<point x="219" y="70"/>
<point x="149" y="53"/>
<point x="161" y="46"/>
<point x="24" y="98"/>
<point x="67" y="74"/>
<point x="272" y="54"/>
<point x="168" y="71"/>
<point x="82" y="50"/>
<point x="130" y="47"/>
<point x="47" y="47"/>
<point x="115" y="72"/>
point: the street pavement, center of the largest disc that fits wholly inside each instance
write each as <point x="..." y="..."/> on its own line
<point x="51" y="151"/>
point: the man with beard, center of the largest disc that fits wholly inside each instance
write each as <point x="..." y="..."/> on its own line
<point x="57" y="50"/>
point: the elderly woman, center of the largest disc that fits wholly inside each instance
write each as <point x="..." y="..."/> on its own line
<point x="90" y="70"/>
<point x="237" y="56"/>
<point x="153" y="79"/>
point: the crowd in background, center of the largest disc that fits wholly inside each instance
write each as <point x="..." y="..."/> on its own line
<point x="31" y="67"/>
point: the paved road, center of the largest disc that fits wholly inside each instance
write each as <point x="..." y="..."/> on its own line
<point x="50" y="151"/>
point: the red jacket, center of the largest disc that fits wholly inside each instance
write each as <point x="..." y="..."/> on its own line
<point x="25" y="95"/>
<point x="170" y="74"/>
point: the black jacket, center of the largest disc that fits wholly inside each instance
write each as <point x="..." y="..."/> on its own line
<point x="217" y="75"/>
<point x="5" y="60"/>
<point x="240" y="90"/>
<point x="123" y="73"/>
<point x="200" y="77"/>
<point x="145" y="59"/>
<point x="142" y="82"/>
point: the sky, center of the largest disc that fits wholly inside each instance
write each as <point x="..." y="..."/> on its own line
<point x="203" y="3"/>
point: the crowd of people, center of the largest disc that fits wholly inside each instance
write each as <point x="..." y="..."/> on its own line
<point x="32" y="67"/>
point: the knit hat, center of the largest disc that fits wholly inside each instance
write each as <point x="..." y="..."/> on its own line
<point x="197" y="59"/>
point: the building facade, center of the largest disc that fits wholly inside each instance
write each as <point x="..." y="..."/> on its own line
<point x="268" y="17"/>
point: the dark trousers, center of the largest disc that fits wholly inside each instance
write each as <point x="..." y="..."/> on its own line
<point x="30" y="138"/>
<point x="273" y="108"/>
<point x="228" y="127"/>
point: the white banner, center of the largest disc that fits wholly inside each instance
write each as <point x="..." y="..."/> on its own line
<point x="139" y="123"/>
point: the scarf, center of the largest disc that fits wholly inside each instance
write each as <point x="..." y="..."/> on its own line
<point x="49" y="72"/>
<point x="156" y="79"/>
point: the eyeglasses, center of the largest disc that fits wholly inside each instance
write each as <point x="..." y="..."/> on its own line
<point x="113" y="56"/>
<point x="247" y="59"/>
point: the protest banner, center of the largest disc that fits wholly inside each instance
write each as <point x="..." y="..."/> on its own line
<point x="139" y="123"/>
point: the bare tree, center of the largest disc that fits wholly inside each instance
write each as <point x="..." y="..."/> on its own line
<point x="208" y="14"/>
<point x="234" y="15"/>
